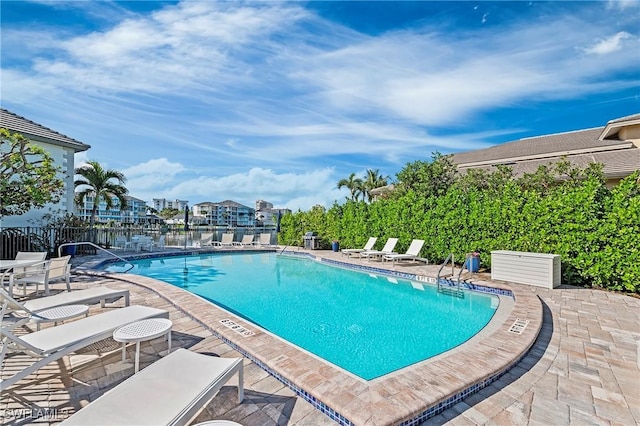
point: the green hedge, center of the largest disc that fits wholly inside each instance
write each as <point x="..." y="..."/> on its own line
<point x="595" y="230"/>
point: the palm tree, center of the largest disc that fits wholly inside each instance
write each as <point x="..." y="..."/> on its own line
<point x="353" y="184"/>
<point x="373" y="180"/>
<point x="98" y="182"/>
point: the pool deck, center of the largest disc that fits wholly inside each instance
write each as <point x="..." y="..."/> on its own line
<point x="582" y="367"/>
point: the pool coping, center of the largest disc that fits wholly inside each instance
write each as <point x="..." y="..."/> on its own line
<point x="407" y="396"/>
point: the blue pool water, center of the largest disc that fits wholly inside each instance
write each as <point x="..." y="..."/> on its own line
<point x="368" y="325"/>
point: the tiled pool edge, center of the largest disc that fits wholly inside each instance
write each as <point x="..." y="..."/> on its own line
<point x="130" y="279"/>
<point x="432" y="410"/>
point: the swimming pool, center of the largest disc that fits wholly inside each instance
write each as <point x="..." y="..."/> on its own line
<point x="369" y="325"/>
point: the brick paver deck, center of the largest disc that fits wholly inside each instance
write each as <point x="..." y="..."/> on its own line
<point x="582" y="369"/>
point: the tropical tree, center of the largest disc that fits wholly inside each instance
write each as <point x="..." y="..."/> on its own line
<point x="168" y="212"/>
<point x="102" y="184"/>
<point x="28" y="175"/>
<point x="353" y="184"/>
<point x="427" y="178"/>
<point x="373" y="180"/>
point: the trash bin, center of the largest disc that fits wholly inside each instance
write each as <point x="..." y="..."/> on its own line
<point x="69" y="250"/>
<point x="335" y="246"/>
<point x="473" y="263"/>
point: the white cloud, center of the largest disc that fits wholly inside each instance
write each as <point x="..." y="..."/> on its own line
<point x="291" y="190"/>
<point x="151" y="175"/>
<point x="608" y="45"/>
<point x="226" y="96"/>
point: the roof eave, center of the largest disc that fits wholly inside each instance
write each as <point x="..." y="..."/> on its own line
<point x="613" y="128"/>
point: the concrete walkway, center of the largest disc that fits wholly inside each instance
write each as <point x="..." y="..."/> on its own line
<point x="583" y="369"/>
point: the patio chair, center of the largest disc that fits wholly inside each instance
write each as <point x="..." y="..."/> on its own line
<point x="51" y="344"/>
<point x="161" y="242"/>
<point x="225" y="241"/>
<point x="413" y="253"/>
<point x="35" y="262"/>
<point x="171" y="391"/>
<point x="54" y="269"/>
<point x="368" y="246"/>
<point x="121" y="242"/>
<point x="387" y="249"/>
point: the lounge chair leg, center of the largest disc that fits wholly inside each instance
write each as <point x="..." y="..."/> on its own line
<point x="241" y="383"/>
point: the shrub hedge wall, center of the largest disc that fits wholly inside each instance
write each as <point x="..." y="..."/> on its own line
<point x="594" y="229"/>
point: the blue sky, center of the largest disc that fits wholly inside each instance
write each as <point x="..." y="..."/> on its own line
<point x="208" y="101"/>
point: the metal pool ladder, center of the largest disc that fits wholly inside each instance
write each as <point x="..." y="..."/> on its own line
<point x="452" y="287"/>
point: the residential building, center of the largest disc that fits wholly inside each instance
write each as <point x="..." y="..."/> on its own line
<point x="616" y="146"/>
<point x="134" y="213"/>
<point x="266" y="215"/>
<point x="229" y="213"/>
<point x="61" y="148"/>
<point x="162" y="203"/>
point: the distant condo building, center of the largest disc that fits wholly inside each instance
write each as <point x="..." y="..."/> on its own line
<point x="266" y="215"/>
<point x="135" y="213"/>
<point x="162" y="203"/>
<point x="226" y="212"/>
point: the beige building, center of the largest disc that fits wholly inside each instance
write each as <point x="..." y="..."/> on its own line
<point x="62" y="149"/>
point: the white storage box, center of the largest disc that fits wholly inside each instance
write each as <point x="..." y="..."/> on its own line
<point x="539" y="269"/>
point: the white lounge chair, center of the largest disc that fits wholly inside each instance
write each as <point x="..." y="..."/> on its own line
<point x="226" y="240"/>
<point x="413" y="253"/>
<point x="367" y="247"/>
<point x="55" y="269"/>
<point x="265" y="240"/>
<point x="22" y="313"/>
<point x="53" y="343"/>
<point x="206" y="239"/>
<point x="171" y="391"/>
<point x="247" y="240"/>
<point x="387" y="249"/>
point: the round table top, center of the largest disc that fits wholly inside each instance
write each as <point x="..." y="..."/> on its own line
<point x="60" y="313"/>
<point x="218" y="423"/>
<point x="142" y="330"/>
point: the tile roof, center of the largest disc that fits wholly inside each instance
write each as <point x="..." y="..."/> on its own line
<point x="617" y="164"/>
<point x="28" y="128"/>
<point x="549" y="145"/>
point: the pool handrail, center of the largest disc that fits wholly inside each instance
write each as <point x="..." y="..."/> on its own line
<point x="458" y="290"/>
<point x="98" y="247"/>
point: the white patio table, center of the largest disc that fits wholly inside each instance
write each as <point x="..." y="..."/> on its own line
<point x="141" y="331"/>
